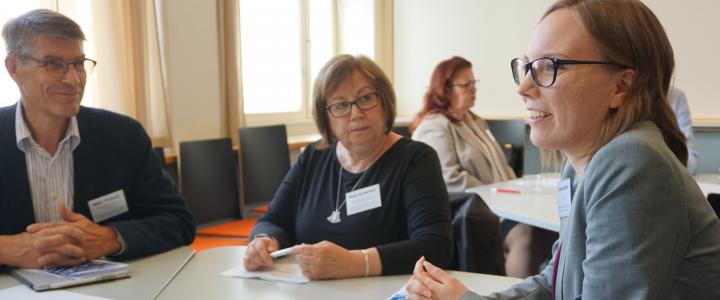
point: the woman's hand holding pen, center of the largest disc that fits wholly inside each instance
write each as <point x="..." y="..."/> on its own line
<point x="257" y="253"/>
<point x="326" y="260"/>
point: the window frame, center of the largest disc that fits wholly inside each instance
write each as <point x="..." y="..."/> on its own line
<point x="382" y="54"/>
<point x="304" y="115"/>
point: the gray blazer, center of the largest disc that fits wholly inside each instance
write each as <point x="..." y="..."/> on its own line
<point x="639" y="228"/>
<point x="464" y="163"/>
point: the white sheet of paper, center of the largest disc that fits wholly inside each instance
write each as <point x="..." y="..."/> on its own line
<point x="25" y="293"/>
<point x="108" y="206"/>
<point x="282" y="272"/>
<point x="363" y="199"/>
<point x="564" y="195"/>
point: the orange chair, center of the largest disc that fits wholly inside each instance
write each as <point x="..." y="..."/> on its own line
<point x="202" y="243"/>
<point x="237" y="228"/>
<point x="262" y="209"/>
<point x="209" y="181"/>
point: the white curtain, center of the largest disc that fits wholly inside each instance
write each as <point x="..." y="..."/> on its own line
<point x="230" y="66"/>
<point x="123" y="36"/>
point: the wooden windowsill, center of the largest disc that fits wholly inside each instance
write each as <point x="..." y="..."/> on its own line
<point x="294" y="143"/>
<point x="299" y="141"/>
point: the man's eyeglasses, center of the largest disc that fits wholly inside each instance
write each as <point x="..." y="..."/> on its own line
<point x="58" y="68"/>
<point x="544" y="69"/>
<point x="343" y="108"/>
<point x="467" y="85"/>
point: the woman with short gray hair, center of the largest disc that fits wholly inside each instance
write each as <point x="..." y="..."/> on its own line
<point x="363" y="201"/>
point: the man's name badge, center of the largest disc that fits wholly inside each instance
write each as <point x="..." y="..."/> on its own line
<point x="108" y="206"/>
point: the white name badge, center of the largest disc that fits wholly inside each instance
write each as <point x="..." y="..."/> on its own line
<point x="108" y="206"/>
<point x="363" y="199"/>
<point x="564" y="189"/>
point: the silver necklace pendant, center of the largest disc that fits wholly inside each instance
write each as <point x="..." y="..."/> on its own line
<point x="334" y="217"/>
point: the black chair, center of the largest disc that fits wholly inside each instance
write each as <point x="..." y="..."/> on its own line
<point x="478" y="246"/>
<point x="264" y="162"/>
<point x="171" y="169"/>
<point x="714" y="200"/>
<point x="208" y="177"/>
<point x="510" y="134"/>
<point x="402" y="130"/>
<point x="160" y="152"/>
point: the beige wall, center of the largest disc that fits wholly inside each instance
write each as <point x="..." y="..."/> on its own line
<point x="692" y="28"/>
<point x="490" y="33"/>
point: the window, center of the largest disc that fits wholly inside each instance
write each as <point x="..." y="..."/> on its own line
<point x="284" y="43"/>
<point x="272" y="72"/>
<point x="357" y="23"/>
<point x="321" y="35"/>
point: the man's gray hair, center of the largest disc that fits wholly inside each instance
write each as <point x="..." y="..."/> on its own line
<point x="20" y="33"/>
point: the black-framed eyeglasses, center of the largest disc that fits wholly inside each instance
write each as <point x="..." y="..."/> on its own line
<point x="544" y="69"/>
<point x="343" y="108"/>
<point x="58" y="68"/>
<point x="467" y="85"/>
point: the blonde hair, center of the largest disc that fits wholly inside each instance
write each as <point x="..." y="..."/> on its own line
<point x="627" y="33"/>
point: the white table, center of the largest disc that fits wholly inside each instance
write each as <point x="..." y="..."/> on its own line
<point x="147" y="277"/>
<point x="709" y="183"/>
<point x="201" y="280"/>
<point x="535" y="204"/>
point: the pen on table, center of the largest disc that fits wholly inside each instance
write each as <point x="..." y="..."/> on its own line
<point x="281" y="252"/>
<point x="499" y="190"/>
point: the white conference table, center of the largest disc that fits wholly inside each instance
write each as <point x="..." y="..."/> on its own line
<point x="201" y="280"/>
<point x="709" y="183"/>
<point x="536" y="202"/>
<point x="147" y="277"/>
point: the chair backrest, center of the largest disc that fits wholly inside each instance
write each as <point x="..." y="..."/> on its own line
<point x="208" y="179"/>
<point x="170" y="169"/>
<point x="510" y="132"/>
<point x="478" y="245"/>
<point x="402" y="130"/>
<point x="264" y="162"/>
<point x="160" y="152"/>
<point x="715" y="203"/>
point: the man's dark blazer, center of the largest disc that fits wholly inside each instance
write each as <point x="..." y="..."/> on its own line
<point x="114" y="154"/>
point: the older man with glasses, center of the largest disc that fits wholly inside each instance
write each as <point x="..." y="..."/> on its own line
<point x="76" y="183"/>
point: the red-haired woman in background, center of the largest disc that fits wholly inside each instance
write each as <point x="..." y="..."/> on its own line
<point x="469" y="154"/>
